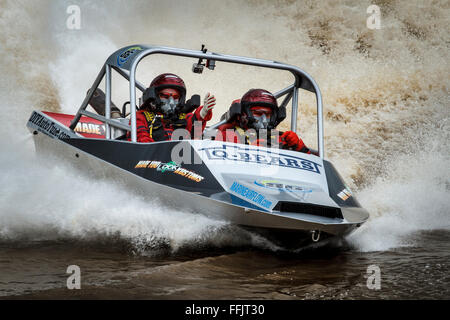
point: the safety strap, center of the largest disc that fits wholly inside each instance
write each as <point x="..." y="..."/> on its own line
<point x="152" y="117"/>
<point x="242" y="134"/>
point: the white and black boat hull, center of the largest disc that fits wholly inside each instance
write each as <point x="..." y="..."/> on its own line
<point x="259" y="188"/>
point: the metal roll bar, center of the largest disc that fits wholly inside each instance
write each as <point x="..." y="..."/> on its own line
<point x="128" y="58"/>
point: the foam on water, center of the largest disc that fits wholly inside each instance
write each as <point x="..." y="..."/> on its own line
<point x="413" y="195"/>
<point x="49" y="202"/>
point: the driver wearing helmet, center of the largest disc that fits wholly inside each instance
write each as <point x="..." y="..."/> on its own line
<point x="258" y="110"/>
<point x="162" y="110"/>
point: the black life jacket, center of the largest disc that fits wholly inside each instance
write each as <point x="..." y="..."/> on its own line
<point x="156" y="128"/>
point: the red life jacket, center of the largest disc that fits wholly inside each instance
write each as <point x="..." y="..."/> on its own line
<point x="239" y="135"/>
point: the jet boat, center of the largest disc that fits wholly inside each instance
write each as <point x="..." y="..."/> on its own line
<point x="268" y="190"/>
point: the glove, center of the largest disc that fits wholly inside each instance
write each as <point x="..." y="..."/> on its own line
<point x="208" y="104"/>
<point x="291" y="139"/>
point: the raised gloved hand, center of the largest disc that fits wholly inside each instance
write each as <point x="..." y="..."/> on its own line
<point x="291" y="140"/>
<point x="208" y="104"/>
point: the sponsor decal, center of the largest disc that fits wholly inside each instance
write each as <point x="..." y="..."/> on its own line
<point x="244" y="154"/>
<point x="344" y="194"/>
<point x="91" y="128"/>
<point x="251" y="195"/>
<point x="169" y="167"/>
<point x="281" y="186"/>
<point x="125" y="55"/>
<point x="47" y="126"/>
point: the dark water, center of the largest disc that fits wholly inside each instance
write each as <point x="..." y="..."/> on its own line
<point x="110" y="270"/>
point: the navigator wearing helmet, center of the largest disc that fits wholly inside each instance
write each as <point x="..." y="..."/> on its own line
<point x="164" y="109"/>
<point x="258" y="110"/>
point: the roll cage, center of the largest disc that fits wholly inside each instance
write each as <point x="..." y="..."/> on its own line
<point x="125" y="62"/>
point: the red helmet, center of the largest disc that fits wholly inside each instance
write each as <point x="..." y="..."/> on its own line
<point x="163" y="81"/>
<point x="260" y="97"/>
<point x="168" y="80"/>
<point x="263" y="98"/>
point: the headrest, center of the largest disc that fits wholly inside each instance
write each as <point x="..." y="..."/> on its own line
<point x="192" y="104"/>
<point x="232" y="113"/>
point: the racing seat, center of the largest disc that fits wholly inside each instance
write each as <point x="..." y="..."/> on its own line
<point x="232" y="113"/>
